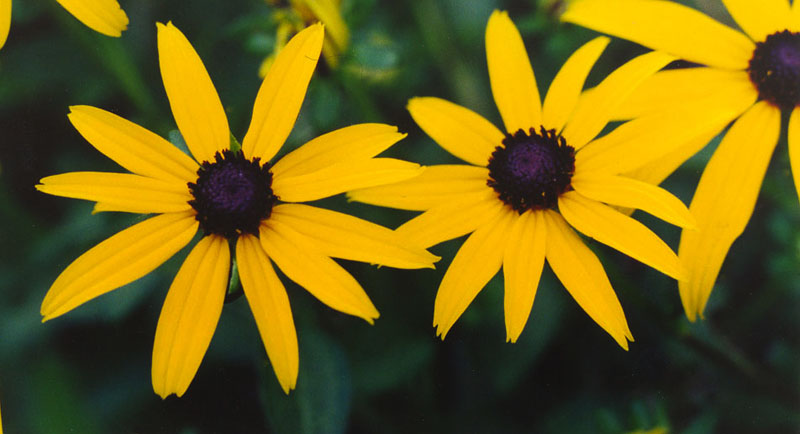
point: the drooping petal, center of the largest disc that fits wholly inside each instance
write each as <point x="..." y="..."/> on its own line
<point x="121" y="259"/>
<point x="270" y="306"/>
<point x="190" y="315"/>
<point x="511" y="75"/>
<point x="582" y="274"/>
<point x="597" y="109"/>
<point x="320" y="275"/>
<point x="341" y="177"/>
<point x="724" y="201"/>
<point x="347" y="237"/>
<point x="794" y="146"/>
<point x="120" y="191"/>
<point x="355" y="142"/>
<point x="192" y="97"/>
<point x="760" y="18"/>
<point x="104" y="16"/>
<point x="434" y="186"/>
<point x="457" y="129"/>
<point x="132" y="146"/>
<point x="5" y="21"/>
<point x="474" y="265"/>
<point x="667" y="26"/>
<point x="631" y="193"/>
<point x="619" y="231"/>
<point x="454" y="218"/>
<point x="523" y="261"/>
<point x="281" y="94"/>
<point x="566" y="88"/>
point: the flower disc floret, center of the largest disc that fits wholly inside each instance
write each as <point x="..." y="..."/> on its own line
<point x="775" y="69"/>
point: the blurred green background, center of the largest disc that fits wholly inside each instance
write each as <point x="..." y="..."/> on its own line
<point x="89" y="371"/>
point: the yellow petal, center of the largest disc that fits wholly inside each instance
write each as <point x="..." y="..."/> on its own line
<point x="355" y="142"/>
<point x="619" y="231"/>
<point x="454" y="218"/>
<point x="132" y="146"/>
<point x="270" y="306"/>
<point x="473" y="266"/>
<point x="281" y="94"/>
<point x="631" y="193"/>
<point x="194" y="101"/>
<point x="320" y="275"/>
<point x="794" y="20"/>
<point x="794" y="146"/>
<point x="347" y="237"/>
<point x="190" y="315"/>
<point x="120" y="191"/>
<point x="435" y="185"/>
<point x="584" y="278"/>
<point x="104" y="16"/>
<point x="760" y="18"/>
<point x="342" y="177"/>
<point x="328" y="13"/>
<point x="5" y="22"/>
<point x="724" y="201"/>
<point x="121" y="259"/>
<point x="666" y="26"/>
<point x="522" y="267"/>
<point x="511" y="75"/>
<point x="596" y="110"/>
<point x="458" y="130"/>
<point x="562" y="97"/>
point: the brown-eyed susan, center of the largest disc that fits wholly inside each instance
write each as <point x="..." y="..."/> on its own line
<point x="747" y="77"/>
<point x="528" y="186"/>
<point x="239" y="200"/>
<point x="104" y="16"/>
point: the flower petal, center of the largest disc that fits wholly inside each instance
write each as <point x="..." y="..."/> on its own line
<point x="121" y="259"/>
<point x="597" y="109"/>
<point x="794" y="146"/>
<point x="435" y="185"/>
<point x="631" y="193"/>
<point x="619" y="231"/>
<point x="724" y="201"/>
<point x="355" y="142"/>
<point x="190" y="315"/>
<point x="794" y="20"/>
<point x="5" y="20"/>
<point x="523" y="261"/>
<point x="511" y="75"/>
<point x="760" y="18"/>
<point x="478" y="259"/>
<point x="281" y="94"/>
<point x="270" y="306"/>
<point x="656" y="171"/>
<point x="329" y="13"/>
<point x="104" y="16"/>
<point x="566" y="88"/>
<point x="582" y="274"/>
<point x="132" y="146"/>
<point x="666" y="26"/>
<point x="120" y="191"/>
<point x="194" y="101"/>
<point x="320" y="275"/>
<point x="457" y="129"/>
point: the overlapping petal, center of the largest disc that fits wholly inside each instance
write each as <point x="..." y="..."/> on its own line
<point x="104" y="16"/>
<point x="5" y="20"/>
<point x="760" y="18"/>
<point x="656" y="171"/>
<point x="724" y="201"/>
<point x="190" y="315"/>
<point x="794" y="146"/>
<point x="523" y="261"/>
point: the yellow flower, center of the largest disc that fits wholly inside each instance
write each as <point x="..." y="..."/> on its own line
<point x="305" y="12"/>
<point x="104" y="16"/>
<point x="762" y="64"/>
<point x="233" y="196"/>
<point x="527" y="186"/>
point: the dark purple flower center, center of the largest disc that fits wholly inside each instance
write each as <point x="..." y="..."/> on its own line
<point x="232" y="195"/>
<point x="775" y="69"/>
<point x="530" y="171"/>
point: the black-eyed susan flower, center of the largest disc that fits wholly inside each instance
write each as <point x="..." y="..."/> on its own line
<point x="233" y="196"/>
<point x="104" y="16"/>
<point x="747" y="76"/>
<point x="526" y="188"/>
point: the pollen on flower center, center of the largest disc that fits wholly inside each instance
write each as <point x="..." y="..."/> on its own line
<point x="775" y="69"/>
<point x="530" y="171"/>
<point x="232" y="195"/>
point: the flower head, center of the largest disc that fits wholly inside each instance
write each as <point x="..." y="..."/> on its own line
<point x="746" y="76"/>
<point x="236" y="197"/>
<point x="527" y="187"/>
